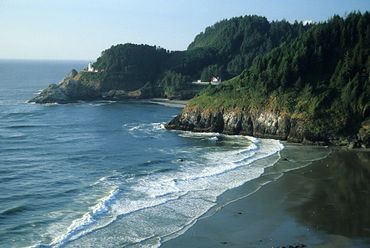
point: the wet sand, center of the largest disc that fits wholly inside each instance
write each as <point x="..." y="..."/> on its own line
<point x="324" y="204"/>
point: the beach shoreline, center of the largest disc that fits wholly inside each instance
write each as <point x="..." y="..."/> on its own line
<point x="292" y="205"/>
<point x="168" y="102"/>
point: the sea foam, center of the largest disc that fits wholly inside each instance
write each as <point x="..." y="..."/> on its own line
<point x="168" y="202"/>
<point x="81" y="226"/>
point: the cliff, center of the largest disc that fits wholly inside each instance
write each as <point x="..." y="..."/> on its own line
<point x="70" y="89"/>
<point x="315" y="89"/>
<point x="237" y="121"/>
<point x="263" y="124"/>
<point x="75" y="87"/>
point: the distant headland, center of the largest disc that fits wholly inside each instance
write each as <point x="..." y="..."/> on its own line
<point x="302" y="82"/>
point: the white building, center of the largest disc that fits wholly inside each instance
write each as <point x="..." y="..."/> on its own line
<point x="90" y="68"/>
<point x="213" y="81"/>
<point x="216" y="80"/>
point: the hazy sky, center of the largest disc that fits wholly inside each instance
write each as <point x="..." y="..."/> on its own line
<point x="81" y="29"/>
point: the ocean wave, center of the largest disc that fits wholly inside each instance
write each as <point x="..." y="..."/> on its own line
<point x="51" y="104"/>
<point x="144" y="129"/>
<point x="13" y="136"/>
<point x="189" y="134"/>
<point x="189" y="191"/>
<point x="22" y="114"/>
<point x="80" y="226"/>
<point x="101" y="103"/>
<point x="12" y="211"/>
<point x="215" y="137"/>
<point x="194" y="189"/>
<point x="25" y="126"/>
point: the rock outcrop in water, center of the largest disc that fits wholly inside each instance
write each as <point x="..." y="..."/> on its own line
<point x="70" y="89"/>
<point x="81" y="86"/>
<point x="73" y="89"/>
<point x="263" y="124"/>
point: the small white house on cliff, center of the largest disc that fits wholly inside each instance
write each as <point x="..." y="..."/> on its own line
<point x="213" y="81"/>
<point x="90" y="68"/>
<point x="216" y="80"/>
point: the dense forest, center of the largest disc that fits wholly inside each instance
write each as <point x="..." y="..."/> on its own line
<point x="239" y="40"/>
<point x="222" y="50"/>
<point x="321" y="77"/>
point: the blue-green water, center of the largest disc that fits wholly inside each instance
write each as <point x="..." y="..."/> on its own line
<point x="106" y="174"/>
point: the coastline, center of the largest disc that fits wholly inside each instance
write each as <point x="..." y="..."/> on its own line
<point x="299" y="202"/>
<point x="167" y="102"/>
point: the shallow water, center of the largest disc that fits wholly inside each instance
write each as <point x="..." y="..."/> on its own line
<point x="107" y="173"/>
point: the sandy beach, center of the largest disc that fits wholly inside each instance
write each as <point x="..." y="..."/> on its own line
<point x="323" y="204"/>
<point x="168" y="102"/>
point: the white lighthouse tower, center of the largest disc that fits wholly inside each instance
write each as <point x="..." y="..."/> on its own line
<point x="90" y="68"/>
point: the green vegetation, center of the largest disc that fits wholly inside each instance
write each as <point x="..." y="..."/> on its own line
<point x="173" y="82"/>
<point x="223" y="50"/>
<point x="314" y="78"/>
<point x="317" y="73"/>
<point x="238" y="41"/>
<point x="128" y="66"/>
<point x="321" y="77"/>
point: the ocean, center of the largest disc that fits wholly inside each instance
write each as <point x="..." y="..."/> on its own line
<point x="107" y="174"/>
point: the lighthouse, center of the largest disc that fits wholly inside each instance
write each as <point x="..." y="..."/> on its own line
<point x="90" y="68"/>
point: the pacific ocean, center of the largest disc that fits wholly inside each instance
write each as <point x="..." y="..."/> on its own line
<point x="93" y="174"/>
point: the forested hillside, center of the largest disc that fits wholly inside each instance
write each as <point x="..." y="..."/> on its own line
<point x="238" y="41"/>
<point x="320" y="79"/>
<point x="223" y="50"/>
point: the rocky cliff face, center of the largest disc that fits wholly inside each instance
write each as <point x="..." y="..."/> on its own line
<point x="70" y="89"/>
<point x="263" y="124"/>
<point x="73" y="89"/>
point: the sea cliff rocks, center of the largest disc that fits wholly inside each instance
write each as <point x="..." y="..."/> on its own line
<point x="52" y="94"/>
<point x="70" y="89"/>
<point x="263" y="124"/>
<point x="77" y="87"/>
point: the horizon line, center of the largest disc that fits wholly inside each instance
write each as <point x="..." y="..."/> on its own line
<point x="46" y="59"/>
